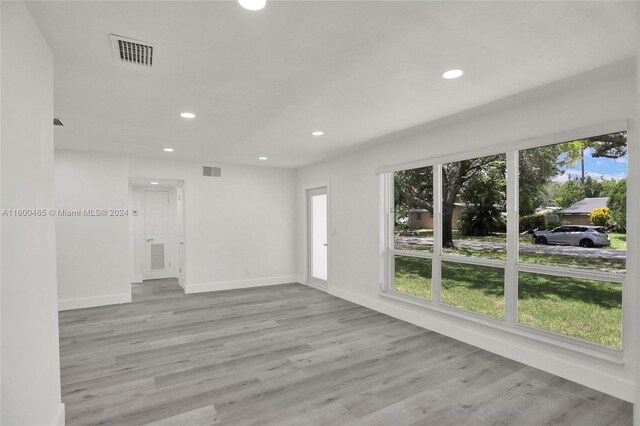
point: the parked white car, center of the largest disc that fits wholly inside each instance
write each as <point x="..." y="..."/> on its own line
<point x="573" y="235"/>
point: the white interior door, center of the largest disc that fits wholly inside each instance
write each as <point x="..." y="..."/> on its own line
<point x="318" y="236"/>
<point x="157" y="262"/>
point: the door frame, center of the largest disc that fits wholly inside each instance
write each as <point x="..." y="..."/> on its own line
<point x="137" y="238"/>
<point x="307" y="279"/>
<point x="180" y="246"/>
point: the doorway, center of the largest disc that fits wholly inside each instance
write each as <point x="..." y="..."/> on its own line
<point x="157" y="230"/>
<point x="157" y="261"/>
<point x="318" y="237"/>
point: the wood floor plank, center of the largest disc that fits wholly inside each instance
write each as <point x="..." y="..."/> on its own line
<point x="292" y="355"/>
<point x="205" y="416"/>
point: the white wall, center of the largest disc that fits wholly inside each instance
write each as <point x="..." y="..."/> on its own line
<point x="355" y="246"/>
<point x="30" y="355"/>
<point x="239" y="229"/>
<point x="91" y="250"/>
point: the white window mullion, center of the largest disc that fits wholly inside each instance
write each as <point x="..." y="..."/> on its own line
<point x="513" y="235"/>
<point x="436" y="263"/>
<point x="387" y="241"/>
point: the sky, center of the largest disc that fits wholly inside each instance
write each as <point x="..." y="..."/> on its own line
<point x="597" y="168"/>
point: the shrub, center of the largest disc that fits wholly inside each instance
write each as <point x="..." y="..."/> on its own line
<point x="552" y="220"/>
<point x="531" y="221"/>
<point x="539" y="220"/>
<point x="480" y="221"/>
<point x="600" y="216"/>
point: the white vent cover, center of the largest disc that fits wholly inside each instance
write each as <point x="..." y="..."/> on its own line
<point x="132" y="51"/>
<point x="211" y="171"/>
<point x="157" y="256"/>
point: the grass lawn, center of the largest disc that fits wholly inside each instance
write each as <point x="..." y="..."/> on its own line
<point x="585" y="309"/>
<point x="588" y="310"/>
<point x="547" y="259"/>
<point x="618" y="241"/>
<point x="474" y="288"/>
<point x="413" y="276"/>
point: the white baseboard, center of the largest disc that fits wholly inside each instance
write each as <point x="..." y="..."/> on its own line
<point x="137" y="279"/>
<point x="59" y="420"/>
<point x="91" y="302"/>
<point x="232" y="285"/>
<point x="300" y="279"/>
<point x="509" y="346"/>
<point x="317" y="287"/>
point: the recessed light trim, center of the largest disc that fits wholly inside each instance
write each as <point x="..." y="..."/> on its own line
<point x="253" y="4"/>
<point x="167" y="149"/>
<point x="317" y="133"/>
<point x="187" y="115"/>
<point x="451" y="74"/>
<point x="263" y="158"/>
<point x="155" y="183"/>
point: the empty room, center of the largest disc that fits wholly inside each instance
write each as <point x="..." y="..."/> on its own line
<point x="270" y="212"/>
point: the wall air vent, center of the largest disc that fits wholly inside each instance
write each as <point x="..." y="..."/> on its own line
<point x="57" y="122"/>
<point x="211" y="171"/>
<point x="132" y="51"/>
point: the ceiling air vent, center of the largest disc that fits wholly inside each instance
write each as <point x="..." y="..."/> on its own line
<point x="211" y="171"/>
<point x="132" y="51"/>
<point x="57" y="122"/>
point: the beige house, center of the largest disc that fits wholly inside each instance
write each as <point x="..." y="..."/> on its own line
<point x="578" y="213"/>
<point x="423" y="219"/>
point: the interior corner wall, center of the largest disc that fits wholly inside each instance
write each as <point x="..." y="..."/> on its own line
<point x="239" y="228"/>
<point x="355" y="248"/>
<point x="30" y="367"/>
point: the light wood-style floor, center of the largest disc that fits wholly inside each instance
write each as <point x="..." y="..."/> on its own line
<point x="289" y="354"/>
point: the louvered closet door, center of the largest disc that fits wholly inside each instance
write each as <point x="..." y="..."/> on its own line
<point x="156" y="227"/>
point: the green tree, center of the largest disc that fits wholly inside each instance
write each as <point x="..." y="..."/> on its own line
<point x="570" y="192"/>
<point x="537" y="169"/>
<point x="617" y="204"/>
<point x="485" y="198"/>
<point x="413" y="189"/>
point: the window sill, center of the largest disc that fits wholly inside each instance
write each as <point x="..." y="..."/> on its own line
<point x="535" y="334"/>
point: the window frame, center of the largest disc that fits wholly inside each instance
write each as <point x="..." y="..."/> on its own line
<point x="512" y="265"/>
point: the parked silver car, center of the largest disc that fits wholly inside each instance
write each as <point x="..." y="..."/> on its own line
<point x="573" y="235"/>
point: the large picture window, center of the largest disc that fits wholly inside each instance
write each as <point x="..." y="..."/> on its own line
<point x="535" y="238"/>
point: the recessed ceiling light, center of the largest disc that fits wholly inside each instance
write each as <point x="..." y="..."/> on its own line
<point x="188" y="115"/>
<point x="451" y="74"/>
<point x="168" y="149"/>
<point x="155" y="183"/>
<point x="317" y="133"/>
<point x="253" y="4"/>
<point x="263" y="158"/>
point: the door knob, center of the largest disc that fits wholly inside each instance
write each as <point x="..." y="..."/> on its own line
<point x="150" y="239"/>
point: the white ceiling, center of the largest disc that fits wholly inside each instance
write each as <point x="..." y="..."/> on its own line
<point x="260" y="82"/>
